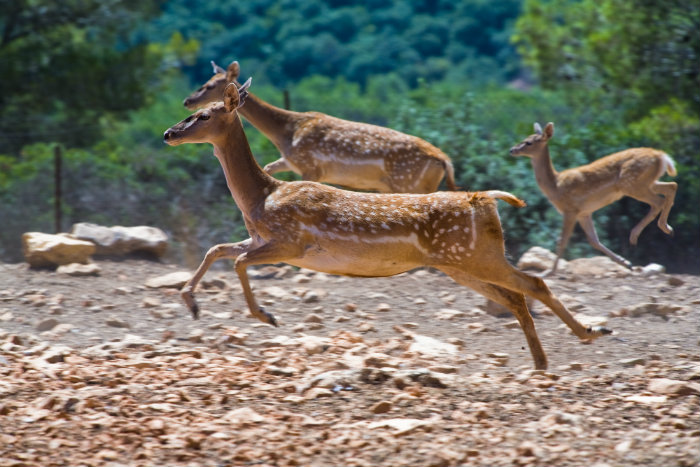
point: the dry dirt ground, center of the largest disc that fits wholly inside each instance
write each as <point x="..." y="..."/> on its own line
<point x="403" y="371"/>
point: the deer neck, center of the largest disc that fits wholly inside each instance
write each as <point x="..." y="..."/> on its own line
<point x="275" y="123"/>
<point x="545" y="174"/>
<point x="248" y="183"/>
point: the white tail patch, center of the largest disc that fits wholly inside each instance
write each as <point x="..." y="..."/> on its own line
<point x="669" y="165"/>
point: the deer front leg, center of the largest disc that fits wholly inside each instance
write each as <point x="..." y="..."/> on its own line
<point x="280" y="165"/>
<point x="224" y="250"/>
<point x="566" y="230"/>
<point x="268" y="253"/>
<point x="588" y="227"/>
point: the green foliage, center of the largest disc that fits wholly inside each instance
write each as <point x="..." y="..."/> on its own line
<point x="288" y="41"/>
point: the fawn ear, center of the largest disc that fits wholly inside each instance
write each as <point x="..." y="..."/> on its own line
<point x="549" y="130"/>
<point x="232" y="98"/>
<point x="538" y="128"/>
<point x="233" y="71"/>
<point x="217" y="68"/>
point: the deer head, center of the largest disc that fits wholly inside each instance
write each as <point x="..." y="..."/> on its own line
<point x="533" y="144"/>
<point x="212" y="90"/>
<point x="211" y="120"/>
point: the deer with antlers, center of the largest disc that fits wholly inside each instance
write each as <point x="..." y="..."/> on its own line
<point x="326" y="149"/>
<point x="577" y="193"/>
<point x="327" y="229"/>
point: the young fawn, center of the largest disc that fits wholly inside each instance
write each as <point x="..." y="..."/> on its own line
<point x="326" y="149"/>
<point x="326" y="229"/>
<point x="577" y="193"/>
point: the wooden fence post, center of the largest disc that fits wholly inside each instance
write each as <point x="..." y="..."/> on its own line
<point x="57" y="163"/>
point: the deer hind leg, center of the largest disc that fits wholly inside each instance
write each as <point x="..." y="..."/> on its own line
<point x="514" y="301"/>
<point x="588" y="227"/>
<point x="272" y="252"/>
<point x="651" y="197"/>
<point x="217" y="252"/>
<point x="511" y="278"/>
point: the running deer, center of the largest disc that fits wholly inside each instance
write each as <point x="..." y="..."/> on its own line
<point x="326" y="149"/>
<point x="577" y="193"/>
<point x="319" y="227"/>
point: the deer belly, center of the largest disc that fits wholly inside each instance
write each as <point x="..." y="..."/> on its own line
<point x="369" y="257"/>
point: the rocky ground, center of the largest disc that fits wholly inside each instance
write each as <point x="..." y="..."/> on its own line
<point x="412" y="370"/>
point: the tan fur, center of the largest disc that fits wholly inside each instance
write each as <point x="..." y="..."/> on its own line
<point x="577" y="193"/>
<point x="326" y="149"/>
<point x="323" y="228"/>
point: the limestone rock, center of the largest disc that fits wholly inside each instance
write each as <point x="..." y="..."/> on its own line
<point x="673" y="387"/>
<point x="118" y="240"/>
<point x="77" y="269"/>
<point x="47" y="250"/>
<point x="540" y="259"/>
<point x="173" y="280"/>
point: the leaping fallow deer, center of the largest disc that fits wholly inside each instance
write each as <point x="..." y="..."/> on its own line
<point x="577" y="193"/>
<point x="326" y="229"/>
<point x="326" y="149"/>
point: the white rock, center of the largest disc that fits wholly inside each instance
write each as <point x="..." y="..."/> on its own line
<point x="432" y="347"/>
<point x="448" y="314"/>
<point x="46" y="250"/>
<point x="652" y="269"/>
<point x="77" y="269"/>
<point x="173" y="280"/>
<point x="119" y="240"/>
<point x="540" y="259"/>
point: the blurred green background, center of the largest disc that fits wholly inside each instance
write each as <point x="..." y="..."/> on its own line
<point x="102" y="79"/>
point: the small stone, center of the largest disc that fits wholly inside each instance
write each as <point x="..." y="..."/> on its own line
<point x="310" y="297"/>
<point x="115" y="322"/>
<point x="150" y="302"/>
<point x="673" y="387"/>
<point x="46" y="324"/>
<point x="196" y="335"/>
<point x="381" y="407"/>
<point x="448" y="314"/>
<point x="652" y="269"/>
<point x="315" y="393"/>
<point x="631" y="362"/>
<point x="675" y="281"/>
<point x="173" y="280"/>
<point x="384" y="307"/>
<point x="243" y="416"/>
<point x="313" y="318"/>
<point x="79" y="270"/>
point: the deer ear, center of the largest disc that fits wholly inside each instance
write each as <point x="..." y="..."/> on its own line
<point x="549" y="130"/>
<point x="233" y="71"/>
<point x="217" y="68"/>
<point x="538" y="128"/>
<point x="232" y="98"/>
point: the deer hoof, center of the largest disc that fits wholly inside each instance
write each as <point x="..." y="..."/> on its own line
<point x="597" y="331"/>
<point x="195" y="311"/>
<point x="268" y="317"/>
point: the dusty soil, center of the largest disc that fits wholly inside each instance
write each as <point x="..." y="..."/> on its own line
<point x="402" y="371"/>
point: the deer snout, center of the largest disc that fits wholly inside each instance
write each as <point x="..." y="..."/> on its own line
<point x="167" y="135"/>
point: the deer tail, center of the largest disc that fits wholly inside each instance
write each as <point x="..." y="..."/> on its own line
<point x="505" y="196"/>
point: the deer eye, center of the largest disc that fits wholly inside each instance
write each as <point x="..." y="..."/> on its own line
<point x="528" y="143"/>
<point x="204" y="117"/>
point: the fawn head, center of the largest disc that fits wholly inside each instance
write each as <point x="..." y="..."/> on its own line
<point x="212" y="90"/>
<point x="533" y="144"/>
<point x="206" y="124"/>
